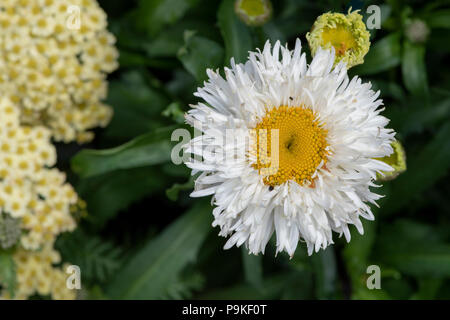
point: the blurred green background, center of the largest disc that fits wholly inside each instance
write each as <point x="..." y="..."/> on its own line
<point x="144" y="238"/>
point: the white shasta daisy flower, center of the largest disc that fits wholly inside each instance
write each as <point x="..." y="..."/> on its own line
<point x="288" y="148"/>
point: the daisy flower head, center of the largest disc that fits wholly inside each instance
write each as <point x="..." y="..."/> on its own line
<point x="347" y="34"/>
<point x="287" y="148"/>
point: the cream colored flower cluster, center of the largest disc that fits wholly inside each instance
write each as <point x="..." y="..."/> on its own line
<point x="55" y="56"/>
<point x="36" y="274"/>
<point x="36" y="194"/>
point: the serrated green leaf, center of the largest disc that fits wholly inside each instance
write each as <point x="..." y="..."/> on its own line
<point x="157" y="264"/>
<point x="383" y="55"/>
<point x="97" y="258"/>
<point x="149" y="149"/>
<point x="413" y="68"/>
<point x="199" y="54"/>
<point x="237" y="36"/>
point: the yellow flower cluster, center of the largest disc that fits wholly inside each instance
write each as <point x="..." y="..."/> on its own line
<point x="55" y="56"/>
<point x="36" y="194"/>
<point x="29" y="188"/>
<point x="37" y="275"/>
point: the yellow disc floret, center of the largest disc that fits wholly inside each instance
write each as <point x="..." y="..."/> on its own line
<point x="300" y="149"/>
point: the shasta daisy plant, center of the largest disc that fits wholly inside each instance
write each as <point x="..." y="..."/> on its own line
<point x="302" y="145"/>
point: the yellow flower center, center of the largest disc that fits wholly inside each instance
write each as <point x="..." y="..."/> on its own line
<point x="341" y="38"/>
<point x="301" y="145"/>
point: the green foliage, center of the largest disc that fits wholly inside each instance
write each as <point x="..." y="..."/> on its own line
<point x="252" y="268"/>
<point x="199" y="54"/>
<point x="149" y="149"/>
<point x="141" y="277"/>
<point x="413" y="68"/>
<point x="97" y="258"/>
<point x="383" y="55"/>
<point x="145" y="238"/>
<point x="237" y="37"/>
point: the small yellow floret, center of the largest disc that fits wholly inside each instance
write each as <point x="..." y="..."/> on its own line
<point x="302" y="145"/>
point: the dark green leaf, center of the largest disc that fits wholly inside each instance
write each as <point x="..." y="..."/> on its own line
<point x="439" y="19"/>
<point x="252" y="268"/>
<point x="415" y="117"/>
<point x="324" y="264"/>
<point x="383" y="55"/>
<point x="199" y="54"/>
<point x="414" y="249"/>
<point x="413" y="68"/>
<point x="8" y="271"/>
<point x="154" y="15"/>
<point x="137" y="107"/>
<point x="237" y="36"/>
<point x="149" y="149"/>
<point x="173" y="192"/>
<point x="423" y="171"/>
<point x="157" y="264"/>
<point x="112" y="192"/>
<point x="356" y="255"/>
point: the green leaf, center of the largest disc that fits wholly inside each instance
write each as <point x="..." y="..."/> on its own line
<point x="199" y="54"/>
<point x="383" y="55"/>
<point x="8" y="271"/>
<point x="428" y="289"/>
<point x="413" y="68"/>
<point x="356" y="254"/>
<point x="109" y="193"/>
<point x="252" y="268"/>
<point x="324" y="264"/>
<point x="419" y="249"/>
<point x="415" y="117"/>
<point x="154" y="15"/>
<point x="184" y="287"/>
<point x="423" y="171"/>
<point x="167" y="43"/>
<point x="272" y="288"/>
<point x="137" y="107"/>
<point x="237" y="37"/>
<point x="157" y="264"/>
<point x="149" y="149"/>
<point x="129" y="59"/>
<point x="172" y="192"/>
<point x="439" y="19"/>
<point x="98" y="259"/>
